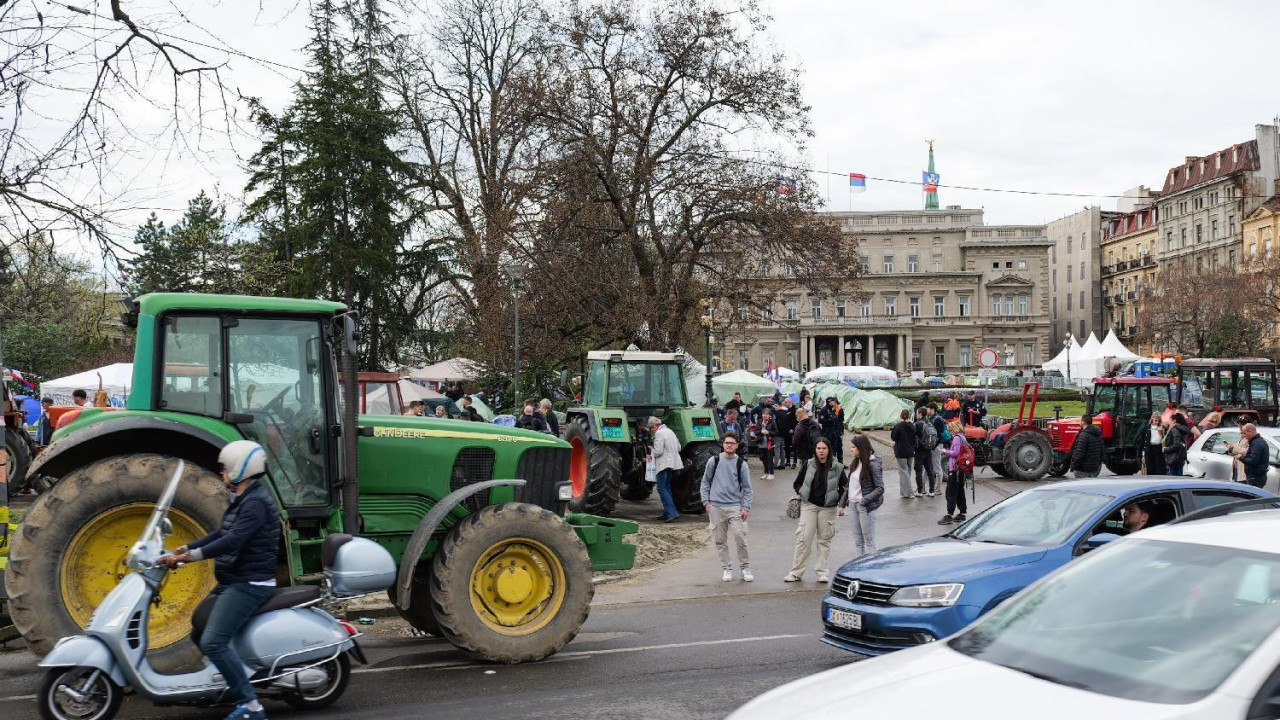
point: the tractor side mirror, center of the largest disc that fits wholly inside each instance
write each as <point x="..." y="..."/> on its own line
<point x="350" y="335"/>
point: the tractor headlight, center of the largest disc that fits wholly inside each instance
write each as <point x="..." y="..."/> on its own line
<point x="564" y="492"/>
<point x="940" y="595"/>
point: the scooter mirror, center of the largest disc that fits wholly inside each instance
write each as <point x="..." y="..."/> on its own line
<point x="166" y="528"/>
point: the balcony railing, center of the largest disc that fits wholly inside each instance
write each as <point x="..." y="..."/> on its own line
<point x="856" y="320"/>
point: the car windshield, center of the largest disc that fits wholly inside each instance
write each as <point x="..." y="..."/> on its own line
<point x="1042" y="517"/>
<point x="1144" y="620"/>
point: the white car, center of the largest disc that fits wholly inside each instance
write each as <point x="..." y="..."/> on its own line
<point x="1209" y="456"/>
<point x="1177" y="621"/>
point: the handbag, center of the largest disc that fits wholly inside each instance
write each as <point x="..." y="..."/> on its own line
<point x="793" y="508"/>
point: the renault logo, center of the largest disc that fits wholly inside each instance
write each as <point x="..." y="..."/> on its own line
<point x="852" y="592"/>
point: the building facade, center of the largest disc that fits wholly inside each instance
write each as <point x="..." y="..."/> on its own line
<point x="1205" y="200"/>
<point x="938" y="286"/>
<point x="1129" y="248"/>
<point x="1260" y="229"/>
<point x="1075" y="305"/>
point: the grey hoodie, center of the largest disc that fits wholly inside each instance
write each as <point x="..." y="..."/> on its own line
<point x="727" y="489"/>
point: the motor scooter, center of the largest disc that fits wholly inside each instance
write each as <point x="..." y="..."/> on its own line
<point x="292" y="648"/>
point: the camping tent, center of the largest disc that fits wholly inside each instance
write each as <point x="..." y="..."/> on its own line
<point x="863" y="409"/>
<point x="116" y="380"/>
<point x="741" y="381"/>
<point x="861" y="375"/>
<point x="375" y="402"/>
<point x="446" y="370"/>
<point x="784" y="374"/>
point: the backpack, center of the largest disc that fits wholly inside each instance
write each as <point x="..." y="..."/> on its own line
<point x="715" y="465"/>
<point x="927" y="438"/>
<point x="965" y="460"/>
<point x="946" y="435"/>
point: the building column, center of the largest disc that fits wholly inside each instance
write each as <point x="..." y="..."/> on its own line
<point x="901" y="360"/>
<point x="910" y="346"/>
<point x="812" y="344"/>
<point x="840" y="349"/>
<point x="804" y="355"/>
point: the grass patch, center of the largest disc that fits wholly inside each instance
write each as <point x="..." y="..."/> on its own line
<point x="1044" y="408"/>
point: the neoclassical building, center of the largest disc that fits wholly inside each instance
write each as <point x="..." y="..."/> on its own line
<point x="939" y="286"/>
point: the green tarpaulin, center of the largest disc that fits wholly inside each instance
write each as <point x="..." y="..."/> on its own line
<point x="863" y="409"/>
<point x="741" y="381"/>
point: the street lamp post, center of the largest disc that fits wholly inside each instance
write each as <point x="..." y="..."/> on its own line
<point x="516" y="271"/>
<point x="1067" y="345"/>
<point x="707" y="321"/>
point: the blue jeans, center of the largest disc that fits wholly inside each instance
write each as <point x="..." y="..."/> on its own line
<point x="664" y="493"/>
<point x="232" y="609"/>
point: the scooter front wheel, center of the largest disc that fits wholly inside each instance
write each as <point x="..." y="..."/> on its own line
<point x="78" y="693"/>
<point x="339" y="671"/>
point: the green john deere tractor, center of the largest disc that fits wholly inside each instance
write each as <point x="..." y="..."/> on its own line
<point x="472" y="512"/>
<point x="610" y="442"/>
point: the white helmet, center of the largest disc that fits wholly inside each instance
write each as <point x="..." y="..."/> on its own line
<point x="242" y="460"/>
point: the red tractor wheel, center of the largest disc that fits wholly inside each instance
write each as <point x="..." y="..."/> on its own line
<point x="1028" y="456"/>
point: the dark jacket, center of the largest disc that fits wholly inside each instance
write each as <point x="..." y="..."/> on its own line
<point x="972" y="411"/>
<point x="552" y="422"/>
<point x="819" y="490"/>
<point x="1175" y="444"/>
<point x="768" y="431"/>
<point x="805" y="437"/>
<point x="939" y="425"/>
<point x="44" y="430"/>
<point x="785" y="420"/>
<point x="531" y="422"/>
<point x="246" y="547"/>
<point x="1086" y="453"/>
<point x="1256" y="458"/>
<point x="832" y="422"/>
<point x="903" y="436"/>
<point x="470" y="413"/>
<point x="872" y="489"/>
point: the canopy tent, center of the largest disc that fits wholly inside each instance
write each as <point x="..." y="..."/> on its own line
<point x="446" y="370"/>
<point x="1086" y="364"/>
<point x="784" y="374"/>
<point x="741" y="381"/>
<point x="695" y="379"/>
<point x="116" y="380"/>
<point x="1059" y="362"/>
<point x="375" y="402"/>
<point x="861" y="375"/>
<point x="483" y="408"/>
<point x="1113" y="348"/>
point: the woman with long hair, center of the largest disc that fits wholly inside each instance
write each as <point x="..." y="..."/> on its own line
<point x="956" y="477"/>
<point x="1176" y="439"/>
<point x="865" y="493"/>
<point x="820" y="483"/>
<point x="1154" y="456"/>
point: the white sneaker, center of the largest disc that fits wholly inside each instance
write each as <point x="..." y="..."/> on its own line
<point x="747" y="576"/>
<point x="919" y="495"/>
<point x="791" y="577"/>
<point x="727" y="576"/>
<point x="824" y="578"/>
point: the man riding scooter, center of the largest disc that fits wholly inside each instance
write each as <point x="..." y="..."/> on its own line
<point x="244" y="550"/>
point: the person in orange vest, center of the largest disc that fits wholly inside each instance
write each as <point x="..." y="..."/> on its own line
<point x="951" y="408"/>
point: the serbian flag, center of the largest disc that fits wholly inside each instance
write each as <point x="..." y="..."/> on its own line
<point x="18" y="376"/>
<point x="857" y="182"/>
<point x="786" y="185"/>
<point x="930" y="181"/>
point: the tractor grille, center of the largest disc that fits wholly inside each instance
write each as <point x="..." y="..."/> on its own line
<point x="867" y="592"/>
<point x="542" y="469"/>
<point x="472" y="465"/>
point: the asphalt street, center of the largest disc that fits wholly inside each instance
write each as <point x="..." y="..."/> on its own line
<point x="673" y="641"/>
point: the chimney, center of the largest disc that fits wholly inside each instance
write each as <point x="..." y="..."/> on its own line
<point x="1192" y="158"/>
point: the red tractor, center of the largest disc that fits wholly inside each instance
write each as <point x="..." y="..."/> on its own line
<point x="1017" y="449"/>
<point x="1121" y="408"/>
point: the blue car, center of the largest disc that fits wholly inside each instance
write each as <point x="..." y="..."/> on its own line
<point x="924" y="591"/>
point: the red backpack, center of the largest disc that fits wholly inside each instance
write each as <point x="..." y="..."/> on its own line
<point x="965" y="459"/>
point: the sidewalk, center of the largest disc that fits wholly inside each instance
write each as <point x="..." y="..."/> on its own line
<point x="771" y="538"/>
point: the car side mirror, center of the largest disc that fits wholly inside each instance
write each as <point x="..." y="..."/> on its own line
<point x="1097" y="541"/>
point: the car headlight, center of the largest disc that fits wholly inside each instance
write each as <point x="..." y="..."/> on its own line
<point x="940" y="595"/>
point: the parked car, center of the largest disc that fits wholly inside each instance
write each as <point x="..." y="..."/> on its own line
<point x="1210" y="454"/>
<point x="923" y="591"/>
<point x="1174" y="622"/>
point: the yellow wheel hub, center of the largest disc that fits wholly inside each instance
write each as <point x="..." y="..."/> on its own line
<point x="517" y="586"/>
<point x="94" y="563"/>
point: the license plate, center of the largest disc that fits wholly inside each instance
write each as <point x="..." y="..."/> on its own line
<point x="703" y="431"/>
<point x="844" y="619"/>
<point x="611" y="432"/>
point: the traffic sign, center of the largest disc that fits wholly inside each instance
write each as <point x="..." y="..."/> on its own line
<point x="987" y="357"/>
<point x="988" y="373"/>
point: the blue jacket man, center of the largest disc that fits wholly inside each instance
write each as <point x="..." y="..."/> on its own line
<point x="1257" y="458"/>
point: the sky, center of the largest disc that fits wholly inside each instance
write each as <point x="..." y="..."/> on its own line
<point x="1084" y="97"/>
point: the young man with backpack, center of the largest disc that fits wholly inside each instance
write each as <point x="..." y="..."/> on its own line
<point x="926" y="448"/>
<point x="961" y="467"/>
<point x="726" y="496"/>
<point x="805" y="435"/>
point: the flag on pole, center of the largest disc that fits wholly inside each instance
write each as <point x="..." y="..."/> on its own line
<point x="931" y="181"/>
<point x="18" y="376"/>
<point x="786" y="185"/>
<point x="857" y="182"/>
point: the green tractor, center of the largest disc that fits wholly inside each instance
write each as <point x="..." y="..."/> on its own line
<point x="608" y="437"/>
<point x="473" y="513"/>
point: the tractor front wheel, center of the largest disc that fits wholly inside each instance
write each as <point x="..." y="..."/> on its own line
<point x="511" y="584"/>
<point x="595" y="470"/>
<point x="421" y="615"/>
<point x="1027" y="456"/>
<point x="69" y="551"/>
<point x="18" y="450"/>
<point x="998" y="468"/>
<point x="1124" y="467"/>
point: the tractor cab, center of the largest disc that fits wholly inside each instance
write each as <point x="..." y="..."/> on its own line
<point x="1121" y="407"/>
<point x="1242" y="389"/>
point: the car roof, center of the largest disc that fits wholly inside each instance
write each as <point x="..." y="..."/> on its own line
<point x="1117" y="486"/>
<point x="1255" y="530"/>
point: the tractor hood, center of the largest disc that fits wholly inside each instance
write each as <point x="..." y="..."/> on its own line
<point x="940" y="559"/>
<point x="410" y="427"/>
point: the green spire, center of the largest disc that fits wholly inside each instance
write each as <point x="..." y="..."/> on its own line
<point x="931" y="198"/>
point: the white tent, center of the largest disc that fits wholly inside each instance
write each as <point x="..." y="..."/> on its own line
<point x="863" y="375"/>
<point x="695" y="379"/>
<point x="783" y="374"/>
<point x="1088" y="363"/>
<point x="375" y="402"/>
<point x="446" y="370"/>
<point x="1059" y="362"/>
<point x="116" y="380"/>
<point x="1113" y="348"/>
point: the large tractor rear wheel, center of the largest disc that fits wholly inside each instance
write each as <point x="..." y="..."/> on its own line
<point x="511" y="584"/>
<point x="17" y="448"/>
<point x="421" y="615"/>
<point x="687" y="484"/>
<point x="1027" y="456"/>
<point x="595" y="470"/>
<point x="637" y="491"/>
<point x="998" y="468"/>
<point x="69" y="551"/>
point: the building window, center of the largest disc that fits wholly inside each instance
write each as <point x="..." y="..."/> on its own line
<point x="1055" y="279"/>
<point x="1199" y="233"/>
<point x="1231" y="257"/>
<point x="1168" y="242"/>
<point x="1231" y="224"/>
<point x="888" y="263"/>
<point x="1053" y="254"/>
<point x="995" y="265"/>
<point x="937" y="264"/>
<point x="1182" y="240"/>
<point x="964" y="306"/>
<point x="1213" y="229"/>
<point x="1253" y="251"/>
<point x="939" y="358"/>
<point x="839" y="308"/>
<point x="1028" y="354"/>
<point x="1008" y="304"/>
<point x="1081" y="299"/>
<point x="1069" y="296"/>
<point x="742" y="359"/>
<point x="815" y="308"/>
<point x="939" y="306"/>
<point x="891" y="306"/>
<point x="793" y="358"/>
<point x="866" y="308"/>
<point x="913" y="263"/>
<point x="1068" y="274"/>
<point x="1068" y="246"/>
<point x="1055" y="308"/>
<point x="964" y="356"/>
<point x="915" y="307"/>
<point x="1082" y="272"/>
<point x="1022" y="264"/>
<point x="766" y="316"/>
<point x="791" y="309"/>
<point x="865" y="262"/>
<point x="1008" y="264"/>
<point x="995" y="304"/>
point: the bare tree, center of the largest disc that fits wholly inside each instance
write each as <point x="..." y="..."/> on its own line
<point x="1210" y="314"/>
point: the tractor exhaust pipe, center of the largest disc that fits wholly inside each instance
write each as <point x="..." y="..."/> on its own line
<point x="350" y="432"/>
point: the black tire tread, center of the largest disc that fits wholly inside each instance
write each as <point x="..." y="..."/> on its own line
<point x="1027" y="475"/>
<point x="604" y="471"/>
<point x="688" y="490"/>
<point x="302" y="703"/>
<point x="46" y="687"/>
<point x="18" y="443"/>
<point x="450" y="583"/>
